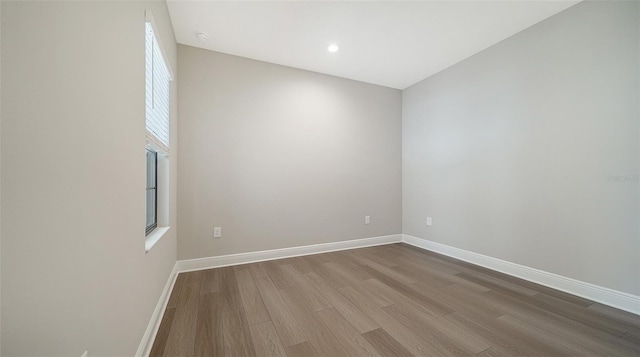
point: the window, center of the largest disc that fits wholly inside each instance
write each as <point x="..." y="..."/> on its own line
<point x="157" y="93"/>
<point x="158" y="78"/>
<point x="152" y="191"/>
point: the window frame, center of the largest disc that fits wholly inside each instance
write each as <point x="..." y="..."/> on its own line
<point x="154" y="143"/>
<point x="158" y="78"/>
<point x="151" y="227"/>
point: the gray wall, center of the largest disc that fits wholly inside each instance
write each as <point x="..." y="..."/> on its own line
<point x="512" y="150"/>
<point x="75" y="276"/>
<point x="0" y="180"/>
<point x="280" y="157"/>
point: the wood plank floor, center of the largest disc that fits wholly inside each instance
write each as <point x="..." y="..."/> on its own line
<point x="391" y="300"/>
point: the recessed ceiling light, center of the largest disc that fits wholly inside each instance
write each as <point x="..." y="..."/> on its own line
<point x="202" y="36"/>
<point x="333" y="48"/>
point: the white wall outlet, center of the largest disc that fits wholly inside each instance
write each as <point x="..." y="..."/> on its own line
<point x="428" y="221"/>
<point x="217" y="232"/>
<point x="367" y="219"/>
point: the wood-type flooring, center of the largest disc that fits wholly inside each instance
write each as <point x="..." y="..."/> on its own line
<point x="390" y="300"/>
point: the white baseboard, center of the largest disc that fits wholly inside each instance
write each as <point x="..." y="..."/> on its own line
<point x="182" y="266"/>
<point x="614" y="298"/>
<point x="252" y="257"/>
<point x="156" y="318"/>
<point x="610" y="297"/>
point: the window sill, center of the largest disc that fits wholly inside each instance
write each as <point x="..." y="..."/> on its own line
<point x="154" y="238"/>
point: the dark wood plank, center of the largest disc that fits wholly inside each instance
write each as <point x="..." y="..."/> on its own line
<point x="279" y="278"/>
<point x="496" y="284"/>
<point x="589" y="336"/>
<point x="546" y="342"/>
<point x="494" y="351"/>
<point x="303" y="265"/>
<point x="237" y="337"/>
<point x="576" y="313"/>
<point x="469" y="301"/>
<point x="303" y="349"/>
<point x="633" y="336"/>
<point x="210" y="281"/>
<point x="484" y="329"/>
<point x="315" y="299"/>
<point x="323" y="340"/>
<point x="386" y="271"/>
<point x="180" y="341"/>
<point x="481" y="334"/>
<point x="252" y="302"/>
<point x="408" y="337"/>
<point x="157" y="350"/>
<point x="258" y="270"/>
<point x="442" y="329"/>
<point x="375" y="295"/>
<point x="266" y="341"/>
<point x="346" y="333"/>
<point x="351" y="312"/>
<point x="193" y="277"/>
<point x="288" y="328"/>
<point x="229" y="290"/>
<point x="423" y="325"/>
<point x="175" y="293"/>
<point x="385" y="300"/>
<point x="622" y="317"/>
<point x="209" y="329"/>
<point x="576" y="300"/>
<point x="572" y="326"/>
<point x="327" y="276"/>
<point x="344" y="274"/>
<point x="415" y="301"/>
<point x="408" y="292"/>
<point x="436" y="277"/>
<point x="385" y="344"/>
<point x="374" y="254"/>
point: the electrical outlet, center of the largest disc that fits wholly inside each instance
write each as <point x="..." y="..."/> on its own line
<point x="217" y="232"/>
<point x="367" y="219"/>
<point x="428" y="221"/>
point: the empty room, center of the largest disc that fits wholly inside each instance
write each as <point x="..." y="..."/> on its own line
<point x="319" y="178"/>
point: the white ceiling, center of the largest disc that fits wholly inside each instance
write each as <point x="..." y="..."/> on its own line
<point x="390" y="43"/>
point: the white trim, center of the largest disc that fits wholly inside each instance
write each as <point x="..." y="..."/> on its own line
<point x="154" y="237"/>
<point x="154" y="144"/>
<point x="614" y="298"/>
<point x="252" y="257"/>
<point x="234" y="259"/>
<point x="148" y="17"/>
<point x="156" y="318"/>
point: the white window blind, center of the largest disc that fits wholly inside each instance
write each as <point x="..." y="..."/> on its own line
<point x="158" y="81"/>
